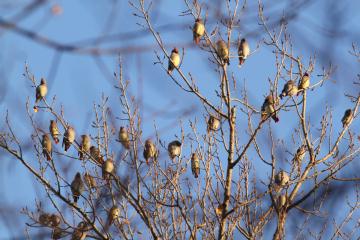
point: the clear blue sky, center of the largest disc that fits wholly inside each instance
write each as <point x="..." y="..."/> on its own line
<point x="78" y="82"/>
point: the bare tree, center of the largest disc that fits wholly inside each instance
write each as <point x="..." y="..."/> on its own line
<point x="234" y="178"/>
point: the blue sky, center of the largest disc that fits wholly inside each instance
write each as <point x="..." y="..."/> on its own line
<point x="79" y="83"/>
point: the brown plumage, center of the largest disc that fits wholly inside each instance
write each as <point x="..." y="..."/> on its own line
<point x="77" y="187"/>
<point x="304" y="83"/>
<point x="84" y="146"/>
<point x="174" y="149"/>
<point x="223" y="51"/>
<point x="80" y="232"/>
<point x="198" y="30"/>
<point x="47" y="146"/>
<point x="346" y="119"/>
<point x="150" y="151"/>
<point x="40" y="92"/>
<point x="124" y="138"/>
<point x="282" y="178"/>
<point x="213" y="123"/>
<point x="174" y="60"/>
<point x="290" y="89"/>
<point x="54" y="131"/>
<point x="96" y="155"/>
<point x="268" y="108"/>
<point x="114" y="213"/>
<point x="55" y="220"/>
<point x="107" y="169"/>
<point x="90" y="181"/>
<point x="243" y="51"/>
<point x="69" y="138"/>
<point x="195" y="165"/>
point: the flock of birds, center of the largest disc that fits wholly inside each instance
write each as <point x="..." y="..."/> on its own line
<point x="87" y="150"/>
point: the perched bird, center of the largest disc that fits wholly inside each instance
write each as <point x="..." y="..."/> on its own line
<point x="96" y="155"/>
<point x="124" y="138"/>
<point x="47" y="146"/>
<point x="84" y="146"/>
<point x="114" y="214"/>
<point x="268" y="108"/>
<point x="80" y="232"/>
<point x="55" y="220"/>
<point x="282" y="178"/>
<point x="44" y="219"/>
<point x="198" y="30"/>
<point x="57" y="233"/>
<point x="290" y="89"/>
<point x="174" y="60"/>
<point x="304" y="83"/>
<point x="90" y="181"/>
<point x="41" y="92"/>
<point x="222" y="51"/>
<point x="77" y="187"/>
<point x="346" y="119"/>
<point x="299" y="156"/>
<point x="54" y="131"/>
<point x="213" y="123"/>
<point x="174" y="149"/>
<point x="69" y="137"/>
<point x="150" y="151"/>
<point x="195" y="165"/>
<point x="243" y="51"/>
<point x="107" y="169"/>
<point x="282" y="200"/>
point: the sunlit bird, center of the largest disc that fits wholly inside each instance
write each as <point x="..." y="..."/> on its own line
<point x="198" y="30"/>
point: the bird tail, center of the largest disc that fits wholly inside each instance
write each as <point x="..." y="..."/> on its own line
<point x="275" y="118"/>
<point x="241" y="61"/>
<point x="56" y="140"/>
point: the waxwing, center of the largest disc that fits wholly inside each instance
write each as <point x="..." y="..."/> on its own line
<point x="40" y="93"/>
<point x="47" y="146"/>
<point x="304" y="83"/>
<point x="243" y="51"/>
<point x="174" y="60"/>
<point x="150" y="151"/>
<point x="124" y="138"/>
<point x="268" y="108"/>
<point x="222" y="51"/>
<point x="290" y="89"/>
<point x="77" y="187"/>
<point x="198" y="30"/>
<point x="54" y="131"/>
<point x="346" y="119"/>
<point x="84" y="146"/>
<point x="282" y="178"/>
<point x="174" y="149"/>
<point x="69" y="138"/>
<point x="195" y="165"/>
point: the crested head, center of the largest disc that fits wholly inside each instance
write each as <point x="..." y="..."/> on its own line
<point x="175" y="50"/>
<point x="78" y="175"/>
<point x="42" y="81"/>
<point x="306" y="74"/>
<point x="243" y="40"/>
<point x="198" y="20"/>
<point x="148" y="142"/>
<point x="348" y="111"/>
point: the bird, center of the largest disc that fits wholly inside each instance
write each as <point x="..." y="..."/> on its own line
<point x="195" y="165"/>
<point x="44" y="219"/>
<point x="84" y="146"/>
<point x="80" y="231"/>
<point x="150" y="151"/>
<point x="40" y="92"/>
<point x="47" y="146"/>
<point x="346" y="119"/>
<point x="299" y="156"/>
<point x="107" y="169"/>
<point x="124" y="138"/>
<point x="282" y="178"/>
<point x="213" y="123"/>
<point x="55" y="220"/>
<point x="90" y="181"/>
<point x="268" y="108"/>
<point x="69" y="138"/>
<point x="174" y="149"/>
<point x="243" y="51"/>
<point x="222" y="51"/>
<point x="54" y="131"/>
<point x="290" y="89"/>
<point x="174" y="60"/>
<point x="77" y="187"/>
<point x="57" y="233"/>
<point x="96" y="155"/>
<point x="114" y="213"/>
<point x="304" y="83"/>
<point x="282" y="200"/>
<point x="198" y="30"/>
